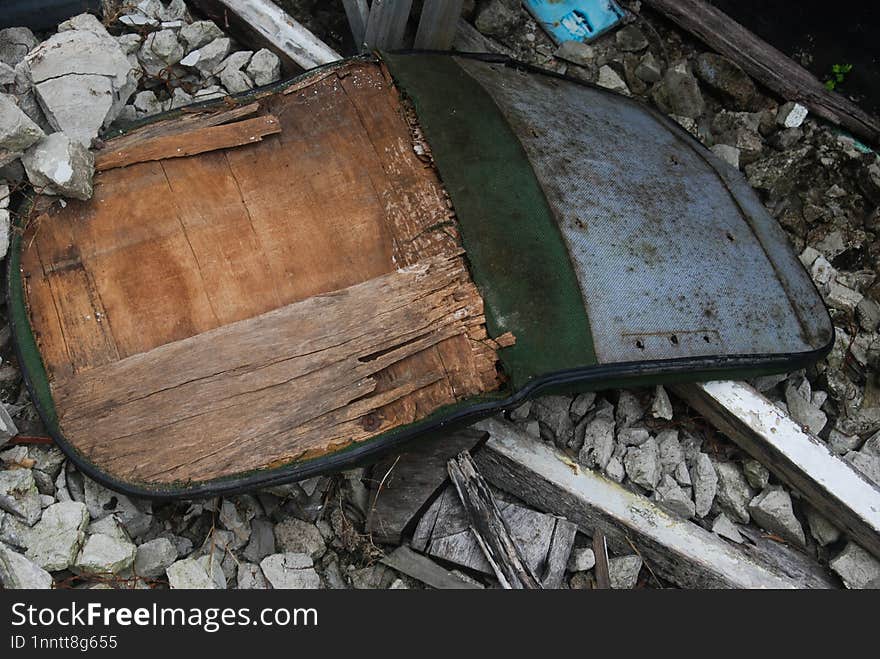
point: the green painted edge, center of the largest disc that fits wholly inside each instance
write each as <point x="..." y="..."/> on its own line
<point x="517" y="255"/>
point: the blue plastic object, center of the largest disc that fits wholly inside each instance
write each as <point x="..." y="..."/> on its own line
<point x="575" y="20"/>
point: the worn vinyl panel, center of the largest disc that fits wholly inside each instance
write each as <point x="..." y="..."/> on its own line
<point x="671" y="261"/>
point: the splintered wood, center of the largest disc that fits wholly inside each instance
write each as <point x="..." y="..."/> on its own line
<point x="242" y="308"/>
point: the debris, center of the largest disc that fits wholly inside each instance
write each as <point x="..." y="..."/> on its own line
<point x="643" y="464"/>
<point x="772" y="510"/>
<point x="791" y="115"/>
<point x="488" y="526"/>
<point x="726" y="78"/>
<point x="231" y="75"/>
<point x="19" y="573"/>
<point x="552" y="413"/>
<point x="661" y="408"/>
<point x="609" y="79"/>
<point x="856" y="567"/>
<point x="734" y="492"/>
<point x="581" y="559"/>
<point x="191" y="574"/>
<point x="154" y="557"/>
<point x="200" y="33"/>
<point x="290" y="571"/>
<point x="624" y="571"/>
<point x="678" y="93"/>
<point x="264" y="67"/>
<point x="678" y="550"/>
<point x="576" y="52"/>
<point x="294" y="536"/>
<point x="282" y="32"/>
<point x="262" y="541"/>
<point x="19" y="495"/>
<point x="405" y="560"/>
<point x="404" y="484"/>
<point x="17" y="131"/>
<point x="673" y="498"/>
<point x="729" y="154"/>
<point x="598" y="433"/>
<point x="722" y="526"/>
<point x="55" y="540"/>
<point x="630" y="39"/>
<point x="823" y="531"/>
<point x="671" y="454"/>
<point x="498" y="18"/>
<point x="83" y="79"/>
<point x="102" y="554"/>
<point x="799" y="459"/>
<point x="756" y="474"/>
<point x="209" y="57"/>
<point x="250" y="577"/>
<point x="60" y="165"/>
<point x="581" y="20"/>
<point x="705" y="482"/>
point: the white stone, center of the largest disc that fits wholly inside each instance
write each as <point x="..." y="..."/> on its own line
<point x="729" y="154"/>
<point x="773" y="512"/>
<point x="673" y="498"/>
<point x="154" y="557"/>
<point x="60" y="165"/>
<point x="18" y="573"/>
<point x="643" y="464"/>
<point x="855" y="566"/>
<point x="791" y="115"/>
<point x="264" y="67"/>
<point x="83" y="79"/>
<point x="55" y="540"/>
<point x="295" y="536"/>
<point x="609" y="79"/>
<point x="823" y="531"/>
<point x="19" y="495"/>
<point x="87" y="22"/>
<point x="102" y="554"/>
<point x="190" y="574"/>
<point x="723" y="527"/>
<point x="290" y="571"/>
<point x="250" y="577"/>
<point x="624" y="571"/>
<point x="17" y="131"/>
<point x="581" y="559"/>
<point x="734" y="492"/>
<point x="198" y="33"/>
<point x="661" y="407"/>
<point x="705" y="481"/>
<point x="209" y="57"/>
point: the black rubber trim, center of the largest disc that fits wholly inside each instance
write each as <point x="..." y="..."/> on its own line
<point x="691" y="369"/>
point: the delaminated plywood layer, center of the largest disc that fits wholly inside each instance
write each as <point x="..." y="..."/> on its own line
<point x="173" y="311"/>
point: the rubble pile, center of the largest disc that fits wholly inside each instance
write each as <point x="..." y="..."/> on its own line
<point x="59" y="527"/>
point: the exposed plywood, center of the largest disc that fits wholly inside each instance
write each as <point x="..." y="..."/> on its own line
<point x="243" y="307"/>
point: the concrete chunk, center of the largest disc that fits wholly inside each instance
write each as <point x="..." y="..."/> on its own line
<point x="19" y="495"/>
<point x="154" y="557"/>
<point x="17" y="572"/>
<point x="55" y="540"/>
<point x="855" y="566"/>
<point x="290" y="571"/>
<point x="103" y="554"/>
<point x="17" y="131"/>
<point x="772" y="511"/>
<point x="264" y="67"/>
<point x="60" y="165"/>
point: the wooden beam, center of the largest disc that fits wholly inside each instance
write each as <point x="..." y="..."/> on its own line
<point x="283" y="32"/>
<point x="405" y="560"/>
<point x="767" y="65"/>
<point x="387" y="23"/>
<point x="189" y="143"/>
<point x="438" y="23"/>
<point x="357" y="12"/>
<point x="796" y="457"/>
<point x="676" y="549"/>
<point x="488" y="526"/>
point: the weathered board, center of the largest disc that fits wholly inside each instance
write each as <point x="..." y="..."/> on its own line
<point x="240" y="308"/>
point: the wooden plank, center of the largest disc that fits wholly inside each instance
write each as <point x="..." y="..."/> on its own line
<point x="795" y="456"/>
<point x="600" y="551"/>
<point x="405" y="560"/>
<point x="489" y="527"/>
<point x="438" y="24"/>
<point x="387" y="23"/>
<point x="677" y="550"/>
<point x="403" y="484"/>
<point x="189" y="143"/>
<point x="767" y="65"/>
<point x="561" y="543"/>
<point x="283" y="32"/>
<point x="357" y="12"/>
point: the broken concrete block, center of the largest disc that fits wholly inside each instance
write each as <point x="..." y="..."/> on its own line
<point x="824" y="532"/>
<point x="791" y="115"/>
<point x="7" y="74"/>
<point x="576" y="52"/>
<point x="19" y="495"/>
<point x="581" y="559"/>
<point x="671" y="454"/>
<point x="55" y="540"/>
<point x="630" y="39"/>
<point x="866" y="464"/>
<point x="138" y="20"/>
<point x="17" y="131"/>
<point x="661" y="408"/>
<point x="290" y="571"/>
<point x="498" y="18"/>
<point x="60" y="165"/>
<point x="624" y="571"/>
<point x="87" y="22"/>
<point x="160" y="50"/>
<point x="5" y="226"/>
<point x="250" y="577"/>
<point x="83" y="79"/>
<point x="615" y="470"/>
<point x="678" y="93"/>
<point x="179" y="98"/>
<point x="18" y="573"/>
<point x="15" y="44"/>
<point x="673" y="498"/>
<point x="147" y="104"/>
<point x="264" y="67"/>
<point x="842" y="298"/>
<point x="705" y="482"/>
<point x="208" y="58"/>
<point x="729" y="154"/>
<point x="723" y="527"/>
<point x="643" y="464"/>
<point x="610" y="79"/>
<point x="800" y="407"/>
<point x="856" y="567"/>
<point x="103" y="554"/>
<point x="154" y="557"/>
<point x="734" y="492"/>
<point x="649" y="69"/>
<point x="773" y="512"/>
<point x="190" y="574"/>
<point x="298" y="537"/>
<point x="198" y="33"/>
<point x="598" y="436"/>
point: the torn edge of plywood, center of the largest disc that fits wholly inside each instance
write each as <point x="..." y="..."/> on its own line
<point x="190" y="142"/>
<point x="294" y="383"/>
